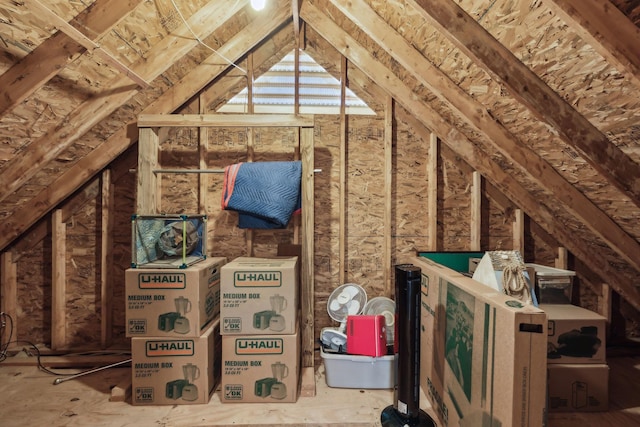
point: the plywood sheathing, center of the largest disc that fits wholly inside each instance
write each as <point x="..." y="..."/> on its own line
<point x="455" y="64"/>
<point x="34" y="112"/>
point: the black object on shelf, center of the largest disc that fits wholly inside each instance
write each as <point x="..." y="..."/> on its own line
<point x="405" y="411"/>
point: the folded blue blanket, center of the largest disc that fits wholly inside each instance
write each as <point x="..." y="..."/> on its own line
<point x="265" y="194"/>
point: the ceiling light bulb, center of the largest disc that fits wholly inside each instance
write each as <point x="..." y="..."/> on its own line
<point x="258" y="4"/>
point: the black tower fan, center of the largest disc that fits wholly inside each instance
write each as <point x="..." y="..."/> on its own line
<point x="405" y="411"/>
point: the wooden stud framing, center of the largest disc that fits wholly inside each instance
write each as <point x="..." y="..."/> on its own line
<point x="58" y="282"/>
<point x="518" y="231"/>
<point x="250" y="134"/>
<point x="106" y="260"/>
<point x="432" y="176"/>
<point x="342" y="240"/>
<point x="388" y="195"/>
<point x="203" y="147"/>
<point x="149" y="192"/>
<point x="9" y="287"/>
<point x="307" y="266"/>
<point x="476" y="211"/>
<point x="562" y="261"/>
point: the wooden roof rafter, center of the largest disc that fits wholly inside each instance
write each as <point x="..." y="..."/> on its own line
<point x="477" y="116"/>
<point x="525" y="86"/>
<point x="86" y="42"/>
<point x="47" y="60"/>
<point x="74" y="177"/>
<point x="21" y="168"/>
<point x="479" y="160"/>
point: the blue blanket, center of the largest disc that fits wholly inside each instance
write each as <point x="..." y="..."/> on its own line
<point x="265" y="194"/>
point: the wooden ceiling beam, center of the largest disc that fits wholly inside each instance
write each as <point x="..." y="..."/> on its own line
<point x="606" y="29"/>
<point x="86" y="42"/>
<point x="529" y="89"/>
<point x="430" y="121"/>
<point x="497" y="136"/>
<point x="79" y="121"/>
<point x="51" y="56"/>
<point x="295" y="12"/>
<point x="106" y="151"/>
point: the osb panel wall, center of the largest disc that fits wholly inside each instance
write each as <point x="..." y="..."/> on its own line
<point x="82" y="264"/>
<point x="124" y="205"/>
<point x="34" y="293"/>
<point x="83" y="275"/>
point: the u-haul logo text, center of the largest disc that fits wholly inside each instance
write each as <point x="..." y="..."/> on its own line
<point x="170" y="348"/>
<point x="264" y="279"/>
<point x="161" y="281"/>
<point x="259" y="346"/>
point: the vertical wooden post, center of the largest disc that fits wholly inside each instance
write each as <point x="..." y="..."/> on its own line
<point x="296" y="111"/>
<point x="342" y="240"/>
<point x="562" y="261"/>
<point x="476" y="212"/>
<point x="388" y="195"/>
<point x="203" y="149"/>
<point x="518" y="231"/>
<point x="148" y="191"/>
<point x="58" y="282"/>
<point x="432" y="190"/>
<point x="106" y="260"/>
<point x="307" y="267"/>
<point x="604" y="305"/>
<point x="250" y="133"/>
<point x="9" y="288"/>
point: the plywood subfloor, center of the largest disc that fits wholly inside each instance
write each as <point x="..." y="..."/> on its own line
<point x="30" y="398"/>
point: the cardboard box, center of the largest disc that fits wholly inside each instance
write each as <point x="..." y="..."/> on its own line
<point x="260" y="368"/>
<point x="259" y="296"/>
<point x="578" y="387"/>
<point x="482" y="353"/>
<point x="575" y="334"/>
<point x="172" y="371"/>
<point x="173" y="302"/>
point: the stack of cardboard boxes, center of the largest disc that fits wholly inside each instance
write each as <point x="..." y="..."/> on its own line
<point x="172" y="319"/>
<point x="260" y="331"/>
<point x="578" y="374"/>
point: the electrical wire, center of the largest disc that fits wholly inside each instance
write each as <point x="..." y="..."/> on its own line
<point x="199" y="40"/>
<point x="5" y="347"/>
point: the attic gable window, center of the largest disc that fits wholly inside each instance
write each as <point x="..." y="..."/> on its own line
<point x="319" y="91"/>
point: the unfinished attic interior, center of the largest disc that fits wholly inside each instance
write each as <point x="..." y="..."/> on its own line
<point x="440" y="126"/>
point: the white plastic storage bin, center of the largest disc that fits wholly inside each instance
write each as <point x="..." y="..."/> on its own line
<point x="552" y="285"/>
<point x="353" y="371"/>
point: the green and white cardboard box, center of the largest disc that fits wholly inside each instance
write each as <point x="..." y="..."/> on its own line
<point x="175" y="371"/>
<point x="259" y="296"/>
<point x="176" y="302"/>
<point x="260" y="368"/>
<point x="482" y="353"/>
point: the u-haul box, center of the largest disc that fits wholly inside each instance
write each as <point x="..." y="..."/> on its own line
<point x="259" y="296"/>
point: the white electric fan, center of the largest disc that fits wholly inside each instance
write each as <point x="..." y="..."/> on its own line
<point x="346" y="300"/>
<point x="386" y="307"/>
